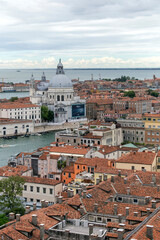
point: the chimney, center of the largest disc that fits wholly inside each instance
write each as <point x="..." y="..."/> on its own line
<point x="34" y="206"/>
<point x="154" y="179"/>
<point x="81" y="209"/>
<point x="153" y="202"/>
<point x="148" y="211"/>
<point x="84" y="193"/>
<point x="41" y="231"/>
<point x="149" y="233"/>
<point x="27" y="209"/>
<point x="127" y="211"/>
<point x="111" y="198"/>
<point x="11" y="216"/>
<point x="34" y="219"/>
<point x="119" y="173"/>
<point x="112" y="179"/>
<point x="120" y="218"/>
<point x="136" y="214"/>
<point x="95" y="207"/>
<point x="152" y="184"/>
<point x="115" y="209"/>
<point x="90" y="230"/>
<point x="18" y="217"/>
<point x="60" y="199"/>
<point x="128" y="190"/>
<point x="100" y="178"/>
<point x="105" y="177"/>
<point x="120" y="233"/>
<point x="43" y="203"/>
<point x="125" y="180"/>
<point x="97" y="181"/>
<point x="80" y="191"/>
<point x="147" y="198"/>
<point x="71" y="193"/>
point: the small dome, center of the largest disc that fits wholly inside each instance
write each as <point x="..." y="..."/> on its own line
<point x="60" y="79"/>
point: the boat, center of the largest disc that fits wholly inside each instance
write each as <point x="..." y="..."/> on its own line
<point x="18" y="70"/>
<point x="4" y="145"/>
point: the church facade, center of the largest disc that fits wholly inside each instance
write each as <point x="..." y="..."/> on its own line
<point x="58" y="95"/>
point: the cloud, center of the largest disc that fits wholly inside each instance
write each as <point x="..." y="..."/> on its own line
<point x="80" y="30"/>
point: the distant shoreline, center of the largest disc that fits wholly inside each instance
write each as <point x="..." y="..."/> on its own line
<point x="39" y="69"/>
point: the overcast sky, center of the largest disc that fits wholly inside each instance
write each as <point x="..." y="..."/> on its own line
<point x="84" y="33"/>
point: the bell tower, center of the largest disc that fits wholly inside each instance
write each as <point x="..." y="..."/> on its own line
<point x="60" y="69"/>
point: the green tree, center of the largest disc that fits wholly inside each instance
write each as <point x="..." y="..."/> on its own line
<point x="130" y="94"/>
<point x="11" y="189"/>
<point x="46" y="114"/>
<point x="3" y="219"/>
<point x="50" y="116"/>
<point x="12" y="99"/>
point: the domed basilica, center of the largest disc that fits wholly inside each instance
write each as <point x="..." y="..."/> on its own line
<point x="58" y="95"/>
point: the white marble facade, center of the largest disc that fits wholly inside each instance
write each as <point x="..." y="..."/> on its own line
<point x="58" y="95"/>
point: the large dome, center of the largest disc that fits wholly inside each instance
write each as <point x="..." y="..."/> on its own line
<point x="60" y="79"/>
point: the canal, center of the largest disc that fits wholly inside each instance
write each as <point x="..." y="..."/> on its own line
<point x="23" y="144"/>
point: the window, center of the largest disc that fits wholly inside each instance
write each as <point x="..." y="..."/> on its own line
<point x="84" y="168"/>
<point x="25" y="187"/>
<point x="77" y="166"/>
<point x="157" y="133"/>
<point x="153" y="139"/>
<point x="69" y="175"/>
<point x="44" y="190"/>
<point x="74" y="140"/>
<point x="31" y="199"/>
<point x="157" y="139"/>
<point x="119" y="199"/>
<point x="149" y="119"/>
<point x="148" y="139"/>
<point x="143" y="168"/>
<point x="25" y="199"/>
<point x="37" y="189"/>
<point x="99" y="219"/>
<point x="38" y="200"/>
<point x="154" y="119"/>
<point x="152" y="133"/>
<point x="31" y="188"/>
<point x="135" y="200"/>
<point x="62" y="98"/>
<point x="51" y="191"/>
<point x="64" y="173"/>
<point x="132" y="168"/>
<point x="64" y="181"/>
<point x="58" y="98"/>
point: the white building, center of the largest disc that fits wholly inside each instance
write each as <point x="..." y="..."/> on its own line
<point x="38" y="189"/>
<point x="11" y="127"/>
<point x="18" y="110"/>
<point x="59" y="96"/>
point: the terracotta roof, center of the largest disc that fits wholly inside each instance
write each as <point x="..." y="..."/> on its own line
<point x="138" y="158"/>
<point x="37" y="180"/>
<point x="70" y="150"/>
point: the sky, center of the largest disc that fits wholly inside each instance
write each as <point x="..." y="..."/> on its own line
<point x="83" y="33"/>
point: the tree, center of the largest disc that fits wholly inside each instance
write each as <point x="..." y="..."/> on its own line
<point x="130" y="94"/>
<point x="3" y="219"/>
<point x="152" y="93"/>
<point x="46" y="114"/>
<point x="12" y="99"/>
<point x="11" y="189"/>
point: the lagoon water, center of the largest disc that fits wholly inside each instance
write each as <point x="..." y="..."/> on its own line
<point x="26" y="144"/>
<point x="34" y="142"/>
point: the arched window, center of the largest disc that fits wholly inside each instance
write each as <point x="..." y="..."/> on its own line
<point x="4" y="128"/>
<point x="62" y="98"/>
<point x="58" y="98"/>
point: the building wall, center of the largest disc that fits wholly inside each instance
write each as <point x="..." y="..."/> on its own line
<point x="136" y="166"/>
<point x="16" y="129"/>
<point x="34" y="195"/>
